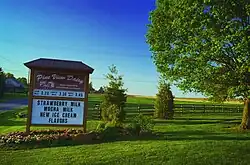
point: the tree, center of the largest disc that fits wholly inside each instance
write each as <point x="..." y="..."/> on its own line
<point x="115" y="98"/>
<point x="164" y="103"/>
<point x="23" y="80"/>
<point x="91" y="88"/>
<point x="9" y="75"/>
<point x="101" y="90"/>
<point x="204" y="46"/>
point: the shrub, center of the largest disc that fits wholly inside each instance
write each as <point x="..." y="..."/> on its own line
<point x="110" y="132"/>
<point x="112" y="106"/>
<point x="142" y="124"/>
<point x="164" y="103"/>
<point x="22" y="115"/>
<point x="112" y="113"/>
<point x="85" y="137"/>
<point x="100" y="127"/>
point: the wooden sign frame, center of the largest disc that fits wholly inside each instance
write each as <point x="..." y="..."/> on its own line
<point x="31" y="97"/>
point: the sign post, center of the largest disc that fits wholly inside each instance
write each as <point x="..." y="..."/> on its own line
<point x="58" y="93"/>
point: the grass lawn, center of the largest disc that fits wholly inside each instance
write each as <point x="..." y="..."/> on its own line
<point x="188" y="139"/>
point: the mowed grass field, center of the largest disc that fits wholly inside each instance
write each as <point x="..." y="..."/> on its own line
<point x="188" y="139"/>
<point x="133" y="100"/>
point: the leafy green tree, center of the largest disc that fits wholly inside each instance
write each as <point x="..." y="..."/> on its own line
<point x="101" y="90"/>
<point x="115" y="98"/>
<point x="9" y="75"/>
<point x="23" y="80"/>
<point x="91" y="88"/>
<point x="204" y="46"/>
<point x="164" y="103"/>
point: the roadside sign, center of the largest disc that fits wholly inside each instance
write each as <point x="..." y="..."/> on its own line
<point x="58" y="93"/>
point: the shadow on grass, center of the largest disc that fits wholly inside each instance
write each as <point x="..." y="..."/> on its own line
<point x="7" y="122"/>
<point x="196" y="135"/>
<point x="65" y="143"/>
<point x="10" y="118"/>
<point x="182" y="136"/>
<point x="194" y="121"/>
<point x="200" y="118"/>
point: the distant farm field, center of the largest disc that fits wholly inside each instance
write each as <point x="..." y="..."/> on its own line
<point x="131" y="99"/>
<point x="135" y="99"/>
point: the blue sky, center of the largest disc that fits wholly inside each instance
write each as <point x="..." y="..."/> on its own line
<point x="97" y="32"/>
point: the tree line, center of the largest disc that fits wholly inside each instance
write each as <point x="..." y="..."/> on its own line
<point x="6" y="75"/>
<point x="93" y="90"/>
<point x="22" y="80"/>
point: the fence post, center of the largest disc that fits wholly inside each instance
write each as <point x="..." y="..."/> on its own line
<point x="98" y="109"/>
<point x="204" y="108"/>
<point x="139" y="108"/>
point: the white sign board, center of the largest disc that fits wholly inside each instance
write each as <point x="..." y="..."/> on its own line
<point x="57" y="112"/>
<point x="58" y="93"/>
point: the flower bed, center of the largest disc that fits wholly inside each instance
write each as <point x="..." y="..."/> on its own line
<point x="140" y="127"/>
<point x="45" y="137"/>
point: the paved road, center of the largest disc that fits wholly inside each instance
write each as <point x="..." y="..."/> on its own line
<point x="11" y="104"/>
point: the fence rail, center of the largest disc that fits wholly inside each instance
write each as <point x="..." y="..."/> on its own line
<point x="202" y="109"/>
